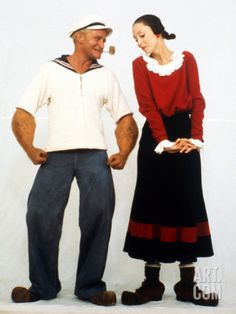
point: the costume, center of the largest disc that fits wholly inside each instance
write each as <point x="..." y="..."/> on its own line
<point x="74" y="103"/>
<point x="76" y="149"/>
<point x="168" y="220"/>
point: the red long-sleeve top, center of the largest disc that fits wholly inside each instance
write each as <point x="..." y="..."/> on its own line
<point x="165" y="95"/>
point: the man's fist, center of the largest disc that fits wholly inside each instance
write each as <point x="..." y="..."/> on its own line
<point x="37" y="155"/>
<point x="117" y="161"/>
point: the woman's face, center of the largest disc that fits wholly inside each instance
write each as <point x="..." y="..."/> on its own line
<point x="144" y="37"/>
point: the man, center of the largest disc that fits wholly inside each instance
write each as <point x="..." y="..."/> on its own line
<point x="75" y="88"/>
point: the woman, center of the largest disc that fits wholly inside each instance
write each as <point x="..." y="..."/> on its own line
<point x="168" y="219"/>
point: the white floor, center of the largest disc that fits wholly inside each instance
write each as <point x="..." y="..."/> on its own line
<point x="66" y="303"/>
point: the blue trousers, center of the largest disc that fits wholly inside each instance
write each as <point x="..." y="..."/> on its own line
<point x="46" y="205"/>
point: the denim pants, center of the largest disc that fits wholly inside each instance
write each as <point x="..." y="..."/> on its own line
<point x="46" y="205"/>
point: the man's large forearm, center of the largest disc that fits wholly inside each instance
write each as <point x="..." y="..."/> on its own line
<point x="23" y="126"/>
<point x="126" y="134"/>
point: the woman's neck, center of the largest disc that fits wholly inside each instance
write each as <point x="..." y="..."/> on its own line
<point x="162" y="54"/>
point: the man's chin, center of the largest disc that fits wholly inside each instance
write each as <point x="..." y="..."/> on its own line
<point x="98" y="56"/>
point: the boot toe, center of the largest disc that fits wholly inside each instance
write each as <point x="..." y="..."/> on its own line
<point x="22" y="295"/>
<point x="193" y="294"/>
<point x="104" y="298"/>
<point x="133" y="298"/>
<point x="206" y="299"/>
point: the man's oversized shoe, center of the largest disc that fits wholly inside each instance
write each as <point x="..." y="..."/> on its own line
<point x="22" y="295"/>
<point x="104" y="298"/>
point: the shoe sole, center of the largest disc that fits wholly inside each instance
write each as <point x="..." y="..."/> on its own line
<point x="198" y="302"/>
<point x="132" y="298"/>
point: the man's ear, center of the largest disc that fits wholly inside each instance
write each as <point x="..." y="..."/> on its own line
<point x="78" y="36"/>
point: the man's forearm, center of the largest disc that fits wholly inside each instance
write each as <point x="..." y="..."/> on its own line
<point x="126" y="134"/>
<point x="23" y="126"/>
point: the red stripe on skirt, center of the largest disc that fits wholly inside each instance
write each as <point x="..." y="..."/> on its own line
<point x="169" y="234"/>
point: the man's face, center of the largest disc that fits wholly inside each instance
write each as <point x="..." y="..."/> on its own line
<point x="92" y="43"/>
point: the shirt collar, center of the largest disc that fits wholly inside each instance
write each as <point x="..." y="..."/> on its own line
<point x="63" y="61"/>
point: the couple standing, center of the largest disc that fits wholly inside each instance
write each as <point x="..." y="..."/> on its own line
<point x="168" y="219"/>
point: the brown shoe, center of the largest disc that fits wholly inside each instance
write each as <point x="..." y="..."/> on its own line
<point x="143" y="294"/>
<point x="21" y="295"/>
<point x="133" y="298"/>
<point x="105" y="298"/>
<point x="186" y="290"/>
<point x="151" y="289"/>
<point x="192" y="293"/>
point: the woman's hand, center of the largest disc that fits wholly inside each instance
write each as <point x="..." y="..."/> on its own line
<point x="172" y="150"/>
<point x="184" y="145"/>
<point x="181" y="145"/>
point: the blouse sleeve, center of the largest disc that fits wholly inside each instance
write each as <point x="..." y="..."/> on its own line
<point x="198" y="102"/>
<point x="147" y="105"/>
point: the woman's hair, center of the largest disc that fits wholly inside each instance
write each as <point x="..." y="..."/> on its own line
<point x="155" y="24"/>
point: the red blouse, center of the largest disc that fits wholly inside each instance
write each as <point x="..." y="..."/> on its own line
<point x="165" y="95"/>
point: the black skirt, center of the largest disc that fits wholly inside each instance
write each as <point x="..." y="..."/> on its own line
<point x="168" y="220"/>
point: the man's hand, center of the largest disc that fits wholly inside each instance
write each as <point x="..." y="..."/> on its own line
<point x="117" y="161"/>
<point x="126" y="135"/>
<point x="37" y="155"/>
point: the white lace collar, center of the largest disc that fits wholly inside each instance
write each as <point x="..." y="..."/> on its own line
<point x="153" y="65"/>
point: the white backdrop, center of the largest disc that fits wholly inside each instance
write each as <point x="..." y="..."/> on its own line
<point x="32" y="32"/>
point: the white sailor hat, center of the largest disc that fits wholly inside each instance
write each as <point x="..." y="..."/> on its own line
<point x="90" y="22"/>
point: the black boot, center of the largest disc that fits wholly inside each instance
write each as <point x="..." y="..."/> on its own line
<point x="151" y="289"/>
<point x="187" y="290"/>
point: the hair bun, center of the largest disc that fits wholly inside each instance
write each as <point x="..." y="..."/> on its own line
<point x="168" y="36"/>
